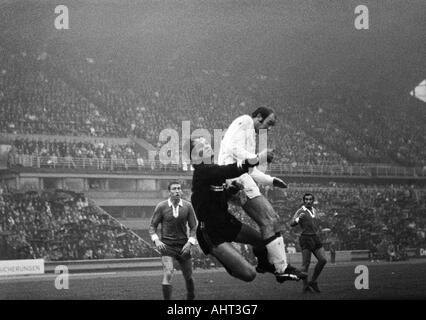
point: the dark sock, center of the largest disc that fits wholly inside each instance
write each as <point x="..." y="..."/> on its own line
<point x="262" y="259"/>
<point x="190" y="289"/>
<point x="167" y="291"/>
<point x="261" y="253"/>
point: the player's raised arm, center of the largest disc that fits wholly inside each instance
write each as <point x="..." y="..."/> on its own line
<point x="295" y="220"/>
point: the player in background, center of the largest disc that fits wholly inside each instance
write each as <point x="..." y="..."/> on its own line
<point x="218" y="228"/>
<point x="307" y="218"/>
<point x="175" y="214"/>
<point x="239" y="143"/>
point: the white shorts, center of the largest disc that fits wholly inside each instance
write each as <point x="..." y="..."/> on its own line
<point x="251" y="190"/>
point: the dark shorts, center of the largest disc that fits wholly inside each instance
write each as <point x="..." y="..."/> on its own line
<point x="310" y="242"/>
<point x="174" y="251"/>
<point x="210" y="236"/>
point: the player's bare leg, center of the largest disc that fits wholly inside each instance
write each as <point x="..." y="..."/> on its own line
<point x="236" y="265"/>
<point x="168" y="270"/>
<point x="186" y="267"/>
<point x="320" y="255"/>
<point x="262" y="212"/>
<point x="250" y="236"/>
<point x="306" y="261"/>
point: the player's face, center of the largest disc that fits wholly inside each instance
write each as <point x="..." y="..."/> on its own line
<point x="175" y="191"/>
<point x="266" y="124"/>
<point x="309" y="201"/>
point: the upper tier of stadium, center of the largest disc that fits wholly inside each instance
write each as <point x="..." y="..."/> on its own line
<point x="129" y="69"/>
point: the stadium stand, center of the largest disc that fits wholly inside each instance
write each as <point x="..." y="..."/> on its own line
<point x="63" y="225"/>
<point x="357" y="214"/>
<point x="79" y="101"/>
<point x="66" y="226"/>
<point x="94" y="96"/>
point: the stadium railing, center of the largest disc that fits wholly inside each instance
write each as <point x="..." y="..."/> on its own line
<point x="121" y="164"/>
<point x="365" y="170"/>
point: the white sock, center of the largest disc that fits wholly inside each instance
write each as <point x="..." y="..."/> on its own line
<point x="277" y="255"/>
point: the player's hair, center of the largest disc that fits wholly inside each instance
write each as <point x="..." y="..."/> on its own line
<point x="263" y="111"/>
<point x="172" y="183"/>
<point x="308" y="194"/>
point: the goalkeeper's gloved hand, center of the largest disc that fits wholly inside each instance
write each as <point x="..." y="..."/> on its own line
<point x="277" y="182"/>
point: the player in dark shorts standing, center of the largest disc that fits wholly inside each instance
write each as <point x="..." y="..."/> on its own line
<point x="306" y="217"/>
<point x="175" y="214"/>
<point x="218" y="228"/>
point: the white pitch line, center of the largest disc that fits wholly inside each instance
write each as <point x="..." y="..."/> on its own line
<point x="92" y="274"/>
<point x="49" y="276"/>
<point x="88" y="275"/>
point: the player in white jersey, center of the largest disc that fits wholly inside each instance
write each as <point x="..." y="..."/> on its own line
<point x="239" y="143"/>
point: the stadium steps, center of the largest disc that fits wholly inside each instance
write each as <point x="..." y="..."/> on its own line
<point x="106" y="265"/>
<point x="103" y="212"/>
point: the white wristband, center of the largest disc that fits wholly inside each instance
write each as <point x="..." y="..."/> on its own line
<point x="154" y="237"/>
<point x="192" y="240"/>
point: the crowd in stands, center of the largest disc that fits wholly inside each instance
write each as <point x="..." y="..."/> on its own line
<point x="80" y="87"/>
<point x="99" y="95"/>
<point x="356" y="215"/>
<point x="207" y="98"/>
<point x="375" y="131"/>
<point x="136" y="85"/>
<point x="63" y="225"/>
<point x="71" y="154"/>
<point x="34" y="101"/>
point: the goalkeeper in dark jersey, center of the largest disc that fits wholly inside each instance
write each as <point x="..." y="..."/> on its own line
<point x="306" y="217"/>
<point x="218" y="228"/>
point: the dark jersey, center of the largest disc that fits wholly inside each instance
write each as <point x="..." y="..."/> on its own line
<point x="209" y="197"/>
<point x="308" y="220"/>
<point x="174" y="228"/>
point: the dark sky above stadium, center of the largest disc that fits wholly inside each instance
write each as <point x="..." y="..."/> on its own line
<point x="299" y="41"/>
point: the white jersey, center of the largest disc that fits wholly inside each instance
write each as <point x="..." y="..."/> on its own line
<point x="238" y="144"/>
